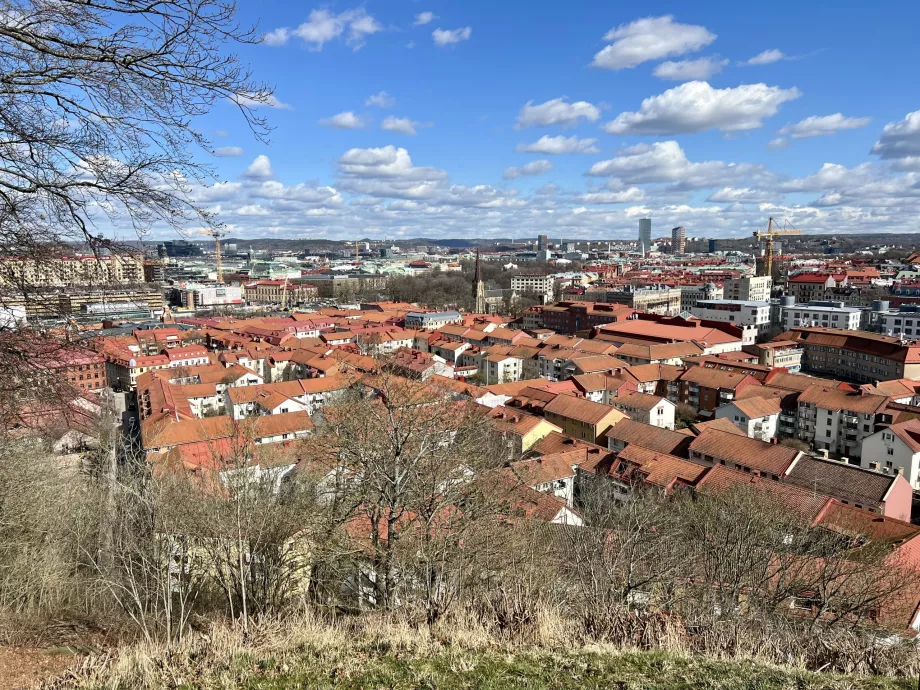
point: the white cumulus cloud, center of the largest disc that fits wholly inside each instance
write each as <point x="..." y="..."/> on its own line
<point x="766" y="57"/>
<point x="819" y="126"/>
<point x="559" y="145"/>
<point x="533" y="168"/>
<point x="689" y="70"/>
<point x="423" y="18"/>
<point x="900" y="141"/>
<point x="323" y="26"/>
<point x="666" y="161"/>
<point x="696" y="106"/>
<point x="345" y="120"/>
<point x="381" y="100"/>
<point x="556" y="112"/>
<point x="446" y="37"/>
<point x="651" y="38"/>
<point x="403" y="125"/>
<point x="259" y="169"/>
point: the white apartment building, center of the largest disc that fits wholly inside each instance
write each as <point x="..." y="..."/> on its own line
<point x="430" y="321"/>
<point x="895" y="449"/>
<point x="824" y="314"/>
<point x="645" y="408"/>
<point x="748" y="289"/>
<point x="752" y="317"/>
<point x="899" y="322"/>
<point x="535" y="284"/>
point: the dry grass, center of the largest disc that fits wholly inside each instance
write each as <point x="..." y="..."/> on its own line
<point x="376" y="651"/>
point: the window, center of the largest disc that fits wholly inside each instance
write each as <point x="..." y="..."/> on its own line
<point x="890" y="451"/>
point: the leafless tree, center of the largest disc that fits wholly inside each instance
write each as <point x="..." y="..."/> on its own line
<point x="416" y="462"/>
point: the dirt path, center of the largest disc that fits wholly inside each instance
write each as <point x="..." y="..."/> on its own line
<point x="23" y="667"/>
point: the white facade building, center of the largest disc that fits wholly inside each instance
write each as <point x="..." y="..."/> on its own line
<point x="535" y="284"/>
<point x="899" y="322"/>
<point x="752" y="317"/>
<point x="824" y="314"/>
<point x="895" y="449"/>
<point x="748" y="289"/>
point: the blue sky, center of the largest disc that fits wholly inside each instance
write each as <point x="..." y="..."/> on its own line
<point x="666" y="114"/>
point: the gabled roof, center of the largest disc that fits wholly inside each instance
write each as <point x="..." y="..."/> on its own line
<point x="722" y="424"/>
<point x="769" y="458"/>
<point x="655" y="438"/>
<point x="828" y="398"/>
<point x="715" y="378"/>
<point x="547" y="468"/>
<point x="841" y="480"/>
<point x="570" y="407"/>
<point x="518" y="422"/>
<point x="853" y="521"/>
<point x="755" y="408"/>
<point x="638" y="401"/>
<point x="659" y="469"/>
<point x="806" y="504"/>
<point x="909" y="432"/>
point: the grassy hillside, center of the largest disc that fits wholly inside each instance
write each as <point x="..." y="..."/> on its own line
<point x="285" y="658"/>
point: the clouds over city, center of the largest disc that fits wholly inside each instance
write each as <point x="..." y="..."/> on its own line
<point x="660" y="116"/>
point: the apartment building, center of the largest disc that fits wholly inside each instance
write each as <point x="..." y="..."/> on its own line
<point x="757" y="417"/>
<point x="649" y="409"/>
<point x="572" y="317"/>
<point x="272" y="291"/>
<point x="82" y="368"/>
<point x="855" y="355"/>
<point x="690" y="295"/>
<point x="837" y="420"/>
<point x="903" y="321"/>
<point x="784" y="354"/>
<point x="651" y="299"/>
<point x="895" y="450"/>
<point x="752" y="317"/>
<point x="824" y="314"/>
<point x="537" y="284"/>
<point x="580" y="418"/>
<point x="707" y="389"/>
<point x="430" y="321"/>
<point x="809" y="286"/>
<point x="748" y="289"/>
<point x="73" y="270"/>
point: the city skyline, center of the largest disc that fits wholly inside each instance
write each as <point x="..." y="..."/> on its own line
<point x="674" y="112"/>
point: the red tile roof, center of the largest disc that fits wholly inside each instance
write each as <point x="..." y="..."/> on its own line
<point x="769" y="458"/>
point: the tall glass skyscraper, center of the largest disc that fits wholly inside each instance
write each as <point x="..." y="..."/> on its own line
<point x="645" y="235"/>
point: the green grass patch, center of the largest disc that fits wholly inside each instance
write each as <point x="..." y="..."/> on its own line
<point x="536" y="670"/>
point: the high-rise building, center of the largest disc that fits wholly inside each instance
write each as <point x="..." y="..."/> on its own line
<point x="678" y="240"/>
<point x="542" y="242"/>
<point x="713" y="246"/>
<point x="645" y="235"/>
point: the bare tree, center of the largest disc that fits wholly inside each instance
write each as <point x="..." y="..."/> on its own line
<point x="417" y="462"/>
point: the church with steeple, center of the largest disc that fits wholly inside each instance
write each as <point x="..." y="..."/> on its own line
<point x="479" y="290"/>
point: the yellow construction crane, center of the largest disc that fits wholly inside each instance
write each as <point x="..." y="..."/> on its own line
<point x="767" y="238"/>
<point x="216" y="234"/>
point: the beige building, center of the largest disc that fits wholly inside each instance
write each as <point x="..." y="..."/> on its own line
<point x="581" y="418"/>
<point x="856" y="355"/>
<point x="652" y="299"/>
<point x="73" y="270"/>
<point x="748" y="289"/>
<point x="271" y="291"/>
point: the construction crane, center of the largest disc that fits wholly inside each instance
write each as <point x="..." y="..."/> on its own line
<point x="767" y="239"/>
<point x="284" y="291"/>
<point x="216" y="234"/>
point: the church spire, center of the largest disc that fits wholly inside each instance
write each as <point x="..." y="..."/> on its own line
<point x="479" y="291"/>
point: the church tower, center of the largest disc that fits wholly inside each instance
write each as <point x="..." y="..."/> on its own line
<point x="479" y="292"/>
